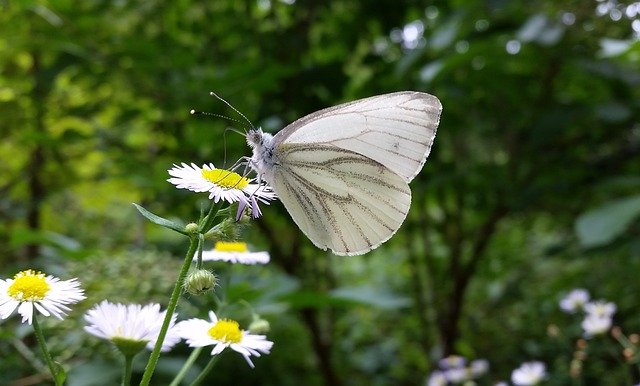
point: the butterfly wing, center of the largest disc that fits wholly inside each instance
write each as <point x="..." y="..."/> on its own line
<point x="395" y="130"/>
<point x="340" y="199"/>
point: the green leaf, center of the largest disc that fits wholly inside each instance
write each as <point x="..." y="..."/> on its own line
<point x="313" y="299"/>
<point x="61" y="374"/>
<point x="371" y="296"/>
<point x="347" y="297"/>
<point x="160" y="221"/>
<point x="614" y="47"/>
<point x="602" y="225"/>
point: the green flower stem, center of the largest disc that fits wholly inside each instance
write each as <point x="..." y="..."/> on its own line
<point x="128" y="365"/>
<point x="207" y="223"/>
<point x="200" y="246"/>
<point x="45" y="352"/>
<point x="187" y="365"/>
<point x="173" y="302"/>
<point x="206" y="370"/>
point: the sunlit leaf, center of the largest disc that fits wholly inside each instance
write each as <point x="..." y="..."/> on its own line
<point x="604" y="224"/>
<point x="372" y="296"/>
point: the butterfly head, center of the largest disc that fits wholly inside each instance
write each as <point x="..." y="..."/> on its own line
<point x="254" y="137"/>
<point x="257" y="139"/>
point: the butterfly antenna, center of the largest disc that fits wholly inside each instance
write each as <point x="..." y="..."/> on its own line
<point x="197" y="112"/>
<point x="233" y="108"/>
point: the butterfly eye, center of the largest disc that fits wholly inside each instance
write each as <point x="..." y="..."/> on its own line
<point x="252" y="137"/>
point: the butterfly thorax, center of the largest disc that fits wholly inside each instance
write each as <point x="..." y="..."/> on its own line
<point x="262" y="160"/>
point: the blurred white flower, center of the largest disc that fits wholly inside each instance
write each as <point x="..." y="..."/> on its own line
<point x="600" y="308"/>
<point x="437" y="378"/>
<point x="479" y="367"/>
<point x="596" y="325"/>
<point x="575" y="300"/>
<point x="235" y="252"/>
<point x="529" y="373"/>
<point x="457" y="375"/>
<point x="452" y="362"/>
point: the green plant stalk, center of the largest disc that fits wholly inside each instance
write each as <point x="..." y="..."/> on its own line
<point x="207" y="223"/>
<point x="187" y="365"/>
<point x="206" y="370"/>
<point x="173" y="302"/>
<point x="128" y="365"/>
<point x="43" y="346"/>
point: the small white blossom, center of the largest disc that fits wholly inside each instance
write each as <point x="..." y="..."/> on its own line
<point x="479" y="367"/>
<point x="594" y="324"/>
<point x="132" y="322"/>
<point x="452" y="361"/>
<point x="575" y="300"/>
<point x="235" y="252"/>
<point x="223" y="333"/>
<point x="437" y="378"/>
<point x="529" y="373"/>
<point x="600" y="308"/>
<point x="457" y="375"/>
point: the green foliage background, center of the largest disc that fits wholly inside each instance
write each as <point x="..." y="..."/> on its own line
<point x="532" y="187"/>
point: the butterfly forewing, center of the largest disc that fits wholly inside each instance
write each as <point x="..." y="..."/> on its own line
<point x="395" y="130"/>
<point x="340" y="199"/>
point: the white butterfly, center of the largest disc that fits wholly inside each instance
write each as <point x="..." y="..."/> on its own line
<point x="343" y="172"/>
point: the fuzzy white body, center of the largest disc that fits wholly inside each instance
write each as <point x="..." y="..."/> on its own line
<point x="343" y="172"/>
<point x="262" y="160"/>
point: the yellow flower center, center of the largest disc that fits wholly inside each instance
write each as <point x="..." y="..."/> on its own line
<point x="231" y="246"/>
<point x="225" y="178"/>
<point x="227" y="331"/>
<point x="29" y="286"/>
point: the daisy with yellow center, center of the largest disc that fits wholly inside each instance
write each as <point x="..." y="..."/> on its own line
<point x="235" y="252"/>
<point x="130" y="324"/>
<point x="221" y="184"/>
<point x="31" y="289"/>
<point x="223" y="333"/>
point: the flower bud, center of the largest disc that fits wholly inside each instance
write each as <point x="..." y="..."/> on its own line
<point x="227" y="230"/>
<point x="191" y="228"/>
<point x="259" y="326"/>
<point x="199" y="282"/>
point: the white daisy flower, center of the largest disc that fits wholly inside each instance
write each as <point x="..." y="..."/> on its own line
<point x="122" y="323"/>
<point x="574" y="301"/>
<point x="600" y="308"/>
<point x="235" y="252"/>
<point x="48" y="294"/>
<point x="221" y="334"/>
<point x="529" y="373"/>
<point x="596" y="325"/>
<point x="221" y="184"/>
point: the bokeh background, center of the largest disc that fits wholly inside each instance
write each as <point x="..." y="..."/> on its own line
<point x="532" y="187"/>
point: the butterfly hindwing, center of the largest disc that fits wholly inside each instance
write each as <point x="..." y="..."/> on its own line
<point x="340" y="199"/>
